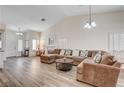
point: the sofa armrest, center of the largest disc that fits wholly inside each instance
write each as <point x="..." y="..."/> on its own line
<point x="101" y="66"/>
<point x="100" y="75"/>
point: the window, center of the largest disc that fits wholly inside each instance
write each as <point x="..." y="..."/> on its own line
<point x="20" y="45"/>
<point x="121" y="43"/>
<point x="34" y="44"/>
<point x="116" y="41"/>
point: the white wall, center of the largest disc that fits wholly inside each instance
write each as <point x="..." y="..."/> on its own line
<point x="11" y="43"/>
<point x="11" y="46"/>
<point x="71" y="29"/>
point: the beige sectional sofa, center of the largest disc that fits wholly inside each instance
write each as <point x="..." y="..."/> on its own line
<point x="103" y="74"/>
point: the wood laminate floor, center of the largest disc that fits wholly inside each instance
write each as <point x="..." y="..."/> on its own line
<point x="30" y="72"/>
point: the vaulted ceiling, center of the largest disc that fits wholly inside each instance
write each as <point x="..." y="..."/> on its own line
<point x="28" y="17"/>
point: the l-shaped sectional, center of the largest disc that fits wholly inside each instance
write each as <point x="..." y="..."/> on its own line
<point x="104" y="74"/>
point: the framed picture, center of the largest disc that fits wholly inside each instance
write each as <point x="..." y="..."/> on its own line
<point x="51" y="41"/>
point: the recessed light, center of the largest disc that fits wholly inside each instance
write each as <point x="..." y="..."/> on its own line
<point x="43" y="19"/>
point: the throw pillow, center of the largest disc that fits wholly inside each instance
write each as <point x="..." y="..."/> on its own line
<point x="68" y="52"/>
<point x="62" y="52"/>
<point x="98" y="57"/>
<point x="107" y="59"/>
<point x="75" y="52"/>
<point x="83" y="53"/>
<point x="57" y="51"/>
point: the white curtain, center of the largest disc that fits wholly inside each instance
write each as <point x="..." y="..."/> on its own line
<point x="116" y="43"/>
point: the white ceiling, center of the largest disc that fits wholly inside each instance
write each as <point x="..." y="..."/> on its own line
<point x="83" y="9"/>
<point x="27" y="17"/>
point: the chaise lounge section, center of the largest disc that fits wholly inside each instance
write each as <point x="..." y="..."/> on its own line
<point x="50" y="57"/>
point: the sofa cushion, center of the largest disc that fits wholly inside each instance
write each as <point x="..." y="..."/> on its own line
<point x="83" y="53"/>
<point x="56" y="51"/>
<point x="75" y="52"/>
<point x="50" y="51"/>
<point x="94" y="52"/>
<point x="59" y="56"/>
<point x="98" y="57"/>
<point x="76" y="58"/>
<point x="68" y="52"/>
<point x="49" y="55"/>
<point x="62" y="52"/>
<point x="89" y="53"/>
<point x="88" y="60"/>
<point x="107" y="59"/>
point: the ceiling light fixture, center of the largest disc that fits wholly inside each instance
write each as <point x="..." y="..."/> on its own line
<point x="19" y="33"/>
<point x="90" y="23"/>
